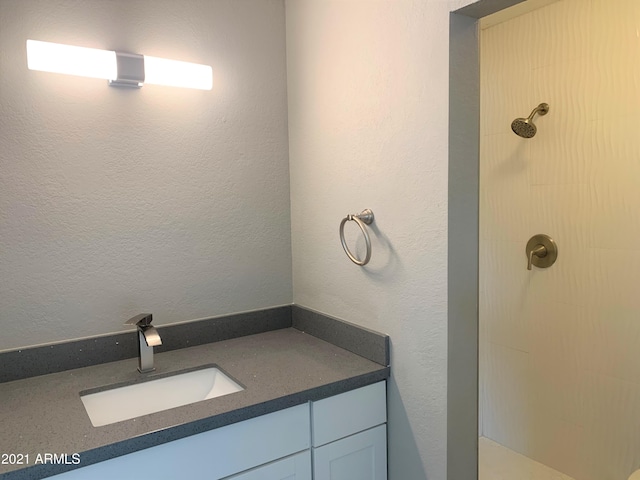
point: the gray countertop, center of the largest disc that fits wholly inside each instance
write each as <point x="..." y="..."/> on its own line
<point x="279" y="369"/>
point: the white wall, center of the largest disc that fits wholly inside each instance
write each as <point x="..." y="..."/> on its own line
<point x="114" y="202"/>
<point x="367" y="86"/>
<point x="560" y="348"/>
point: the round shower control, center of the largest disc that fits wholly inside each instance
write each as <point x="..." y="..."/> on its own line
<point x="541" y="251"/>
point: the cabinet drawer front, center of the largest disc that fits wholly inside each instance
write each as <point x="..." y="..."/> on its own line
<point x="362" y="456"/>
<point x="348" y="413"/>
<point x="295" y="467"/>
<point x="212" y="455"/>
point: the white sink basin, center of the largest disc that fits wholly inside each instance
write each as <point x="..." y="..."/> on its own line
<point x="130" y="401"/>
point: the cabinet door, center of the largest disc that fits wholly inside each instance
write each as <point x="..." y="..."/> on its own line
<point x="295" y="467"/>
<point x="210" y="455"/>
<point x="362" y="456"/>
<point x="348" y="413"/>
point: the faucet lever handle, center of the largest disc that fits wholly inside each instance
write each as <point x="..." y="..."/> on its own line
<point x="142" y="320"/>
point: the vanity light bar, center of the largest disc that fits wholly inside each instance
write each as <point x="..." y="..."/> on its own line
<point x="174" y="73"/>
<point x="84" y="62"/>
<point x="121" y="69"/>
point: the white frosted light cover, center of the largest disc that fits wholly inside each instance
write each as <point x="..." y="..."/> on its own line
<point x="174" y="73"/>
<point x="71" y="60"/>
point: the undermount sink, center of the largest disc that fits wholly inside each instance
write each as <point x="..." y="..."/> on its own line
<point x="134" y="400"/>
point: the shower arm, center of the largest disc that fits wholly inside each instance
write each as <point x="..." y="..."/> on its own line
<point x="541" y="109"/>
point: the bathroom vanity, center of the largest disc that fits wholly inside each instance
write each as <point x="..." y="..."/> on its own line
<point x="344" y="434"/>
<point x="309" y="409"/>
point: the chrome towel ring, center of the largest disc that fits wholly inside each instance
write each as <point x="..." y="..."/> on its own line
<point x="362" y="218"/>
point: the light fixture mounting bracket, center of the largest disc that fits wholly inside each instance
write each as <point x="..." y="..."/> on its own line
<point x="130" y="70"/>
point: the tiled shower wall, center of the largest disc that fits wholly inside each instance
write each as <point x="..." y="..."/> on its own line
<point x="560" y="347"/>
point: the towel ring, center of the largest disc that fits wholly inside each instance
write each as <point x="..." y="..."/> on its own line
<point x="362" y="218"/>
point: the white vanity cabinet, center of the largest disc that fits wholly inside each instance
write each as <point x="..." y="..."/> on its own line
<point x="344" y="437"/>
<point x="211" y="455"/>
<point x="295" y="467"/>
<point x="362" y="456"/>
<point x="349" y="436"/>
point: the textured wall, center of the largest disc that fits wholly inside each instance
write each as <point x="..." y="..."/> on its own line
<point x="367" y="86"/>
<point x="560" y="349"/>
<point x="114" y="202"/>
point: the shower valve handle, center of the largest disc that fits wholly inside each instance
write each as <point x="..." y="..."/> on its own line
<point x="539" y="251"/>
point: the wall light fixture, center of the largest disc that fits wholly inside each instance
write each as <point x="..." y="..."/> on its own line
<point x="121" y="69"/>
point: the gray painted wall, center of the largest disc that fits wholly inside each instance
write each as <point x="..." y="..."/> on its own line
<point x="462" y="366"/>
<point x="463" y="201"/>
<point x="368" y="128"/>
<point x="167" y="200"/>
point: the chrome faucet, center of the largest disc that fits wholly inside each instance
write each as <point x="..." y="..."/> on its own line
<point x="148" y="338"/>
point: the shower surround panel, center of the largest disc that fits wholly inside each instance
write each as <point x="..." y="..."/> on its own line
<point x="560" y="347"/>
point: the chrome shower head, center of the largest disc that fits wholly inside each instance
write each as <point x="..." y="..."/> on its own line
<point x="524" y="127"/>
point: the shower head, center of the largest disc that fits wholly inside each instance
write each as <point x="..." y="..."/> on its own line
<point x="524" y="127"/>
